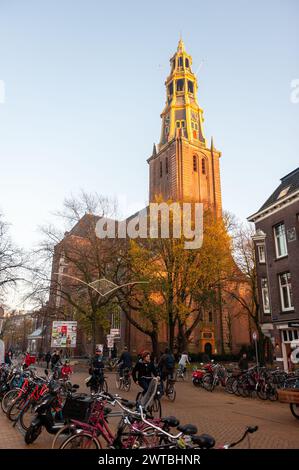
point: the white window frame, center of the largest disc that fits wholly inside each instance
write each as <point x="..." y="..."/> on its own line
<point x="276" y="243"/>
<point x="281" y="287"/>
<point x="262" y="259"/>
<point x="265" y="290"/>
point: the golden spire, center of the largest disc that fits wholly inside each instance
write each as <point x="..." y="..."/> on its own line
<point x="181" y="45"/>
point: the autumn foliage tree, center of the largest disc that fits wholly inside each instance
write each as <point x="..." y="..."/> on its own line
<point x="179" y="281"/>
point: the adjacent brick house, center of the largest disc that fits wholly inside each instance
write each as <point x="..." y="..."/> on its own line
<point x="277" y="259"/>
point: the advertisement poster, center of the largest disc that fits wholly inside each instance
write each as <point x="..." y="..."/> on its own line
<point x="64" y="334"/>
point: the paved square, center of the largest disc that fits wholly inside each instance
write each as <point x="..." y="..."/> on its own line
<point x="222" y="415"/>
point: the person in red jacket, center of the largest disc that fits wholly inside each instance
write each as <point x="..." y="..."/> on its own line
<point x="66" y="370"/>
<point x="28" y="360"/>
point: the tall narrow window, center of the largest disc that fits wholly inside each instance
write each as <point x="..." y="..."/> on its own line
<point x="170" y="89"/>
<point x="180" y="85"/>
<point x="180" y="61"/>
<point x="190" y="87"/>
<point x="194" y="163"/>
<point x="161" y="170"/>
<point x="280" y="241"/>
<point x="265" y="295"/>
<point x="203" y="166"/>
<point x="286" y="291"/>
<point x="210" y="317"/>
<point x="166" y="165"/>
<point x="261" y="253"/>
<point x="187" y="63"/>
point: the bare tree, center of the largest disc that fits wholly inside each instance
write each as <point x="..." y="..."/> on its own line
<point x="71" y="258"/>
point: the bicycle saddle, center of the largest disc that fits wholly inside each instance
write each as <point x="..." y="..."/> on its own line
<point x="128" y="403"/>
<point x="172" y="421"/>
<point x="188" y="429"/>
<point x="204" y="441"/>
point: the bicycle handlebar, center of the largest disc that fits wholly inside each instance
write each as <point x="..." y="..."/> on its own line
<point x="249" y="430"/>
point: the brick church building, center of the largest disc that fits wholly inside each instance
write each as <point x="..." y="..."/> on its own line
<point x="184" y="167"/>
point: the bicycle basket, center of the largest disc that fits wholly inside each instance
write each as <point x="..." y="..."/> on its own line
<point x="77" y="408"/>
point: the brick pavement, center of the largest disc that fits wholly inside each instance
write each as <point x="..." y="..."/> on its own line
<point x="222" y="415"/>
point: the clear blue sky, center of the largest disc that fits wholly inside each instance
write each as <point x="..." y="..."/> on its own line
<point x="84" y="84"/>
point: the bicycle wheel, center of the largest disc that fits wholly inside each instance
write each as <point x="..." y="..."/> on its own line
<point x="262" y="393"/>
<point x="272" y="394"/>
<point x="127" y="385"/>
<point x="207" y="382"/>
<point x="118" y="382"/>
<point x="295" y="410"/>
<point x="229" y="385"/>
<point x="155" y="408"/>
<point x="171" y="394"/>
<point x="103" y="387"/>
<point x="235" y="387"/>
<point x="83" y="440"/>
<point x="8" y="398"/>
<point x="66" y="431"/>
<point x="15" y="408"/>
<point x="26" y="416"/>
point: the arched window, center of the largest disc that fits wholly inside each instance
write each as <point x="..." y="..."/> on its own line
<point x="180" y="85"/>
<point x="203" y="166"/>
<point x="190" y="87"/>
<point x="194" y="163"/>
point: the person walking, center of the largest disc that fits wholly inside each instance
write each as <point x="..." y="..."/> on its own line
<point x="48" y="359"/>
<point x="55" y="359"/>
<point x="184" y="360"/>
<point x="7" y="358"/>
<point x="243" y="362"/>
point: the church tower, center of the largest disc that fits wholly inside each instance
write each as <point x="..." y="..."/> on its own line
<point x="182" y="167"/>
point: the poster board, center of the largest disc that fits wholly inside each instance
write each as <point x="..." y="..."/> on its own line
<point x="64" y="334"/>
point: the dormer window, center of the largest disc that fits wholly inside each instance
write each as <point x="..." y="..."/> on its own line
<point x="180" y="85"/>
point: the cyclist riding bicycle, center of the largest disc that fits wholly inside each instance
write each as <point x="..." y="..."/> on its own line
<point x="125" y="361"/>
<point x="144" y="370"/>
<point x="166" y="365"/>
<point x="96" y="371"/>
